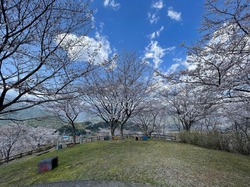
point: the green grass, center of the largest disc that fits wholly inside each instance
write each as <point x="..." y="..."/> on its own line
<point x="154" y="162"/>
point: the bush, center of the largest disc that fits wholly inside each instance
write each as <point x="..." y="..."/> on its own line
<point x="216" y="140"/>
<point x="96" y="127"/>
<point x="68" y="130"/>
<point x="241" y="144"/>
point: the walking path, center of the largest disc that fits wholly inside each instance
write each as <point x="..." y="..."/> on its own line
<point x="91" y="184"/>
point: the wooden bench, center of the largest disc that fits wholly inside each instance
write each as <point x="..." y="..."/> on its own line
<point x="70" y="145"/>
<point x="116" y="138"/>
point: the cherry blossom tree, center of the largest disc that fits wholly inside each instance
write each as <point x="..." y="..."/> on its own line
<point x="221" y="59"/>
<point x="18" y="138"/>
<point x="9" y="135"/>
<point x="188" y="104"/>
<point x="67" y="111"/>
<point x="150" y="117"/>
<point x="34" y="59"/>
<point x="114" y="94"/>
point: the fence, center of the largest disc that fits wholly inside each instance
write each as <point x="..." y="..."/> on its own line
<point x="20" y="155"/>
<point x="170" y="137"/>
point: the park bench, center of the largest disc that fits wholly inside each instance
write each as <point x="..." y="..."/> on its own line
<point x="115" y="138"/>
<point x="70" y="145"/>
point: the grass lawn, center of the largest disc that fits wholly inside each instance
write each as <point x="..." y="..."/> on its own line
<point x="158" y="163"/>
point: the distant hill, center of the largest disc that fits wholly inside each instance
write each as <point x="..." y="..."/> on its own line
<point x="48" y="121"/>
<point x="36" y="116"/>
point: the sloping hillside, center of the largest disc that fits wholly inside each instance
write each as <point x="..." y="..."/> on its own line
<point x="159" y="163"/>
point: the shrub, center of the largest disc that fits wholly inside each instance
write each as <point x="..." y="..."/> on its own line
<point x="216" y="140"/>
<point x="241" y="144"/>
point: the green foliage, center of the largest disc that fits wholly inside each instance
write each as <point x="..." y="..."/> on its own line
<point x="95" y="127"/>
<point x="48" y="121"/>
<point x="132" y="126"/>
<point x="158" y="163"/>
<point x="68" y="130"/>
<point x="216" y="140"/>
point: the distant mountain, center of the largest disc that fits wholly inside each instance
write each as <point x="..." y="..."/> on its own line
<point x="35" y="116"/>
<point x="48" y="121"/>
<point x="38" y="116"/>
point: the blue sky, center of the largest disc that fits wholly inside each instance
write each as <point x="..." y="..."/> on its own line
<point x="154" y="29"/>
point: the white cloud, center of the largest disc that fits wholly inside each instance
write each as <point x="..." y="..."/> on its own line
<point x="94" y="50"/>
<point x="153" y="18"/>
<point x="152" y="36"/>
<point x="156" y="53"/>
<point x="101" y="27"/>
<point x="180" y="64"/>
<point x="112" y="4"/>
<point x="178" y="60"/>
<point x="157" y="4"/>
<point x="174" y="67"/>
<point x="156" y="33"/>
<point x="173" y="14"/>
<point x="187" y="65"/>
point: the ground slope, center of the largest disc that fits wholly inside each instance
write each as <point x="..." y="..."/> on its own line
<point x="157" y="163"/>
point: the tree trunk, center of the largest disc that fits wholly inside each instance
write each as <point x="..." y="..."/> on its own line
<point x="112" y="129"/>
<point x="74" y="132"/>
<point x="149" y="134"/>
<point x="122" y="127"/>
<point x="7" y="158"/>
<point x="186" y="126"/>
<point x="121" y="132"/>
<point x="113" y="125"/>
